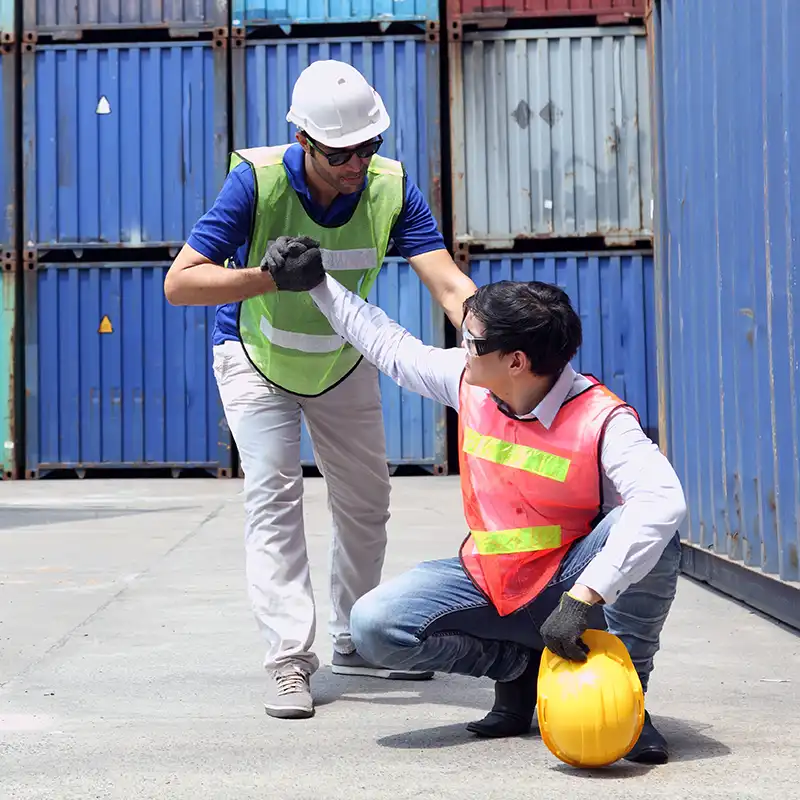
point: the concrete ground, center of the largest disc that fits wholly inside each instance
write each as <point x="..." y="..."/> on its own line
<point x="130" y="668"/>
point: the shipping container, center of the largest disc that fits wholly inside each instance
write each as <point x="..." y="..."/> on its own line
<point x="416" y="427"/>
<point x="115" y="377"/>
<point x="294" y="12"/>
<point x="728" y="184"/>
<point x="8" y="147"/>
<point x="69" y="20"/>
<point x="404" y="71"/>
<point x="8" y="415"/>
<point x="612" y="292"/>
<point x="123" y="145"/>
<point x="551" y="137"/>
<point x="603" y="12"/>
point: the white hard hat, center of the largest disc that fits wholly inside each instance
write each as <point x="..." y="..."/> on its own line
<point x="333" y="103"/>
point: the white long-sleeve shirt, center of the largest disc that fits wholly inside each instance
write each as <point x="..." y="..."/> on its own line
<point x="635" y="473"/>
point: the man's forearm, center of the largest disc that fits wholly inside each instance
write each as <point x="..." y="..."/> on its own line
<point x="211" y="284"/>
<point x="452" y="299"/>
<point x="448" y="285"/>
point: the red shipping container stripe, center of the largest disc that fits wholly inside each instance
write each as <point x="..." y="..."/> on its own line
<point x="604" y="11"/>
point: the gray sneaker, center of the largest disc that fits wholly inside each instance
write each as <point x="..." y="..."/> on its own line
<point x="289" y="695"/>
<point x="353" y="664"/>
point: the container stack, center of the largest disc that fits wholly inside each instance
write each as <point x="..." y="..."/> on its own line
<point x="124" y="145"/>
<point x="395" y="45"/>
<point x="551" y="167"/>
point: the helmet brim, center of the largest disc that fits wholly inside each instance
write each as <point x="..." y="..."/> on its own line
<point x="350" y="139"/>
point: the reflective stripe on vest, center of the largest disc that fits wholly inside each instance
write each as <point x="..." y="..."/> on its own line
<point x="508" y="454"/>
<point x="305" y="342"/>
<point x="520" y="540"/>
<point x="361" y="258"/>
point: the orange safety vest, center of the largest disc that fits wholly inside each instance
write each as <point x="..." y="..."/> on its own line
<point x="529" y="492"/>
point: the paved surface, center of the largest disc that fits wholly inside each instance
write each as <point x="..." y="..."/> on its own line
<point x="130" y="668"/>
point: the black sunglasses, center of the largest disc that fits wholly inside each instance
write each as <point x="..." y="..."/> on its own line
<point x="341" y="157"/>
<point x="477" y="345"/>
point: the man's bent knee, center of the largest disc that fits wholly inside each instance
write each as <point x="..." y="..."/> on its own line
<point x="376" y="627"/>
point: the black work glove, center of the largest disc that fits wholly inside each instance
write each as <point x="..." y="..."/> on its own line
<point x="562" y="630"/>
<point x="295" y="263"/>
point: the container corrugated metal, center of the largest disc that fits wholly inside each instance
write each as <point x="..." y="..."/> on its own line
<point x="415" y="427"/>
<point x="728" y="261"/>
<point x="7" y="21"/>
<point x="604" y="11"/>
<point x="551" y="136"/>
<point x="293" y="12"/>
<point x="68" y="19"/>
<point x="139" y="395"/>
<point x="8" y="432"/>
<point x="404" y="70"/>
<point x="613" y="295"/>
<point x="8" y="147"/>
<point x="123" y="145"/>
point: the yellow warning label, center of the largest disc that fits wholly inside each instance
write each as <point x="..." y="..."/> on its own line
<point x="105" y="325"/>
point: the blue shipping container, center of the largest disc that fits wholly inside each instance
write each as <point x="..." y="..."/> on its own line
<point x="613" y="295"/>
<point x="728" y="227"/>
<point x="116" y="377"/>
<point x="67" y="19"/>
<point x="404" y="71"/>
<point x="416" y="427"/>
<point x="123" y="145"/>
<point x="288" y="12"/>
<point x="8" y="142"/>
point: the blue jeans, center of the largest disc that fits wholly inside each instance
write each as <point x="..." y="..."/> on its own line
<point x="434" y="618"/>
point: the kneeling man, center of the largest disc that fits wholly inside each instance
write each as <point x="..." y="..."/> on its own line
<point x="572" y="510"/>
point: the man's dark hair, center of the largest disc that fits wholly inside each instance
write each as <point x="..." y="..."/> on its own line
<point x="536" y="318"/>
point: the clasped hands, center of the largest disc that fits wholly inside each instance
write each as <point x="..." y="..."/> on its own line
<point x="295" y="263"/>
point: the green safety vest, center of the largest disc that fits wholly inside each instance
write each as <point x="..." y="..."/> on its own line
<point x="286" y="337"/>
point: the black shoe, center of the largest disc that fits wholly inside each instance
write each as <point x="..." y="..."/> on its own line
<point x="651" y="747"/>
<point x="514" y="704"/>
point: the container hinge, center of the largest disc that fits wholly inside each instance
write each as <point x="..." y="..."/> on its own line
<point x="220" y="40"/>
<point x="432" y="31"/>
<point x="461" y="255"/>
<point x="9" y="262"/>
<point x="455" y="32"/>
<point x="238" y="35"/>
<point x="30" y="260"/>
<point x="29" y="40"/>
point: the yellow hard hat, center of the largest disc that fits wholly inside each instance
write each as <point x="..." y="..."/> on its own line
<point x="590" y="713"/>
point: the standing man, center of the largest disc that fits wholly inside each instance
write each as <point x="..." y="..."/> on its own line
<point x="572" y="512"/>
<point x="275" y="356"/>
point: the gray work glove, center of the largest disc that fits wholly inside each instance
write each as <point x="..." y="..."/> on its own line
<point x="563" y="629"/>
<point x="295" y="263"/>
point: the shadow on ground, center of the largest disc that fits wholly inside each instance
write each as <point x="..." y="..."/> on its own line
<point x="24" y="516"/>
<point x="450" y="690"/>
<point x="687" y="740"/>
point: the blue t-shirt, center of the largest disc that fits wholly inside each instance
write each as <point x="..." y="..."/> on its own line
<point x="224" y="231"/>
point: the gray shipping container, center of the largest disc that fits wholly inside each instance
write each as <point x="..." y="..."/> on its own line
<point x="550" y="133"/>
